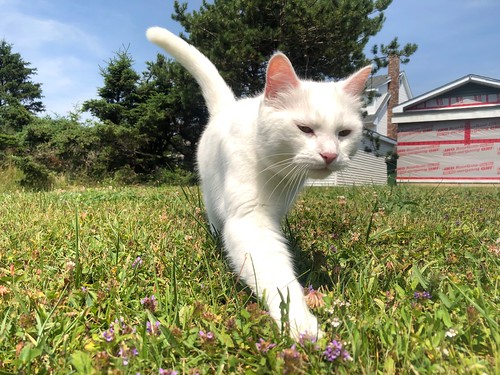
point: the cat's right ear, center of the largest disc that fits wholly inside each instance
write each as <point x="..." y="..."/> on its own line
<point x="280" y="76"/>
<point x="355" y="84"/>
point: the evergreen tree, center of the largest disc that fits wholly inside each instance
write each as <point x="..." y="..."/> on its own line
<point x="324" y="39"/>
<point x="20" y="97"/>
<point x="172" y="115"/>
<point x="118" y="96"/>
<point x="393" y="49"/>
<point x="154" y="121"/>
<point x="119" y="140"/>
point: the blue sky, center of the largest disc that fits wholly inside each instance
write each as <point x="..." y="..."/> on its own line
<point x="68" y="40"/>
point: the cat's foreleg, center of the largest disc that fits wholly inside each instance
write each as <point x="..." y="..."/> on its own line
<point x="260" y="256"/>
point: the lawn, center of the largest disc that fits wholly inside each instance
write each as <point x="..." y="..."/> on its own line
<point x="128" y="280"/>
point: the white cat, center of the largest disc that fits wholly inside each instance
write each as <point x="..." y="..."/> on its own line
<point x="254" y="157"/>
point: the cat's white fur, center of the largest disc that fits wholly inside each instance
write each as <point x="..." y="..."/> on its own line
<point x="254" y="157"/>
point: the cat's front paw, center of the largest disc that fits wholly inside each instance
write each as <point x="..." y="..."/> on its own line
<point x="304" y="325"/>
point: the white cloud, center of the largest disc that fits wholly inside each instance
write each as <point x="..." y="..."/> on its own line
<point x="36" y="33"/>
<point x="67" y="82"/>
<point x="480" y="3"/>
<point x="66" y="57"/>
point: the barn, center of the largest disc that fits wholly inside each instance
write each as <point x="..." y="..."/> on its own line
<point x="451" y="134"/>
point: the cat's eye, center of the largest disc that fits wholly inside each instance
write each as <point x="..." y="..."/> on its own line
<point x="305" y="129"/>
<point x="344" y="133"/>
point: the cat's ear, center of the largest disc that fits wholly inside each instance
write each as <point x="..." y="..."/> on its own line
<point x="280" y="76"/>
<point x="355" y="84"/>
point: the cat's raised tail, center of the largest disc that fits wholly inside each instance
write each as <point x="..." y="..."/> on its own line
<point x="216" y="92"/>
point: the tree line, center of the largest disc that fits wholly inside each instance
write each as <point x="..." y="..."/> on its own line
<point x="147" y="124"/>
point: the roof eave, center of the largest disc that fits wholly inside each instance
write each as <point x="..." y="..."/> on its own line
<point x="445" y="88"/>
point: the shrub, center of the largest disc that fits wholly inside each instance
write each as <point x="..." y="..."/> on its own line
<point x="177" y="177"/>
<point x="35" y="176"/>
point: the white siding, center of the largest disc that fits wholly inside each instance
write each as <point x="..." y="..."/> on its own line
<point x="403" y="94"/>
<point x="365" y="168"/>
<point x="382" y="122"/>
<point x="382" y="90"/>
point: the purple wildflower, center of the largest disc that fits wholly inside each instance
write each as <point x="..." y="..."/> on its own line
<point x="264" y="346"/>
<point x="153" y="329"/>
<point x="332" y="351"/>
<point x="125" y="353"/>
<point x="109" y="335"/>
<point x="422" y="295"/>
<point x="122" y="327"/>
<point x="291" y="353"/>
<point x="137" y="262"/>
<point x="346" y="356"/>
<point x="206" y="337"/>
<point x="121" y="322"/>
<point x="292" y="360"/>
<point x="150" y="303"/>
<point x="335" y="350"/>
<point x="306" y="338"/>
<point x="167" y="372"/>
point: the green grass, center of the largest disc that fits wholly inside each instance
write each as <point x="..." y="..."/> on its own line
<point x="74" y="298"/>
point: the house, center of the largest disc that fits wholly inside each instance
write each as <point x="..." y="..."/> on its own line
<point x="451" y="134"/>
<point x="378" y="113"/>
<point x="368" y="165"/>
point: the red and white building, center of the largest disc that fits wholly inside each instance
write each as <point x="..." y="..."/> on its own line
<point x="451" y="134"/>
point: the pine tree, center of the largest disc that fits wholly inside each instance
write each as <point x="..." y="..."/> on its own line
<point x="324" y="39"/>
<point x="172" y="115"/>
<point x="20" y="97"/>
<point x="393" y="49"/>
<point x="118" y="96"/>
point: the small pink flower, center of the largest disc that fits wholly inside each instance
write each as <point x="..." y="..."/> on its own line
<point x="314" y="298"/>
<point x="207" y="337"/>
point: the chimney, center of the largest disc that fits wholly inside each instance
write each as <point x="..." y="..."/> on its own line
<point x="393" y="70"/>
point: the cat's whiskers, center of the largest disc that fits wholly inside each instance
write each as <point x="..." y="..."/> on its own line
<point x="265" y="159"/>
<point x="295" y="183"/>
<point x="290" y="182"/>
<point x="273" y="168"/>
<point x="280" y="185"/>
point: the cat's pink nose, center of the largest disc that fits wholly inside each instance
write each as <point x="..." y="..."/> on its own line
<point x="328" y="157"/>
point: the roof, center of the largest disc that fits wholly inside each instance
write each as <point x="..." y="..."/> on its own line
<point x="382" y="105"/>
<point x="376" y="81"/>
<point x="374" y="84"/>
<point x="471" y="78"/>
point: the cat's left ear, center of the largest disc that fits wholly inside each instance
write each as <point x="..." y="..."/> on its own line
<point x="280" y="76"/>
<point x="355" y="84"/>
